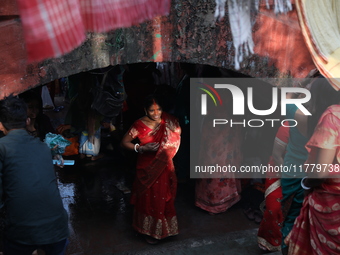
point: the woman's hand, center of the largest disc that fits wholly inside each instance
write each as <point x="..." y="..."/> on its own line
<point x="148" y="147"/>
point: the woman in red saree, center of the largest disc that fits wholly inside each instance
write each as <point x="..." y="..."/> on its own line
<point x="269" y="236"/>
<point x="155" y="184"/>
<point x="223" y="146"/>
<point x="317" y="228"/>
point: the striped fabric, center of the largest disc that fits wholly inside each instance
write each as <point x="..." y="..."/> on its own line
<point x="55" y="27"/>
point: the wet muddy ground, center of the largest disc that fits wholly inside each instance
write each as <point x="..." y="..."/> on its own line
<point x="100" y="215"/>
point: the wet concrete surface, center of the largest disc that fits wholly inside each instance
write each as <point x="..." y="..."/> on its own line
<point x="100" y="215"/>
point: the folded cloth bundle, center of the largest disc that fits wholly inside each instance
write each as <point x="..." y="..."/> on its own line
<point x="56" y="143"/>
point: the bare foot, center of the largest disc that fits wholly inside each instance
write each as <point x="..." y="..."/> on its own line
<point x="99" y="156"/>
<point x="150" y="240"/>
<point x="263" y="248"/>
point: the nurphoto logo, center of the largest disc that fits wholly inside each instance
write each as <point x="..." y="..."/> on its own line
<point x="238" y="99"/>
<point x="212" y="93"/>
<point x="224" y="108"/>
<point x="238" y="104"/>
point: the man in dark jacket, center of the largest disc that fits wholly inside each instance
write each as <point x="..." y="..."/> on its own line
<point x="35" y="216"/>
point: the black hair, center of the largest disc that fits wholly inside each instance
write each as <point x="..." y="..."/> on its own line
<point x="166" y="95"/>
<point x="30" y="96"/>
<point x="13" y="113"/>
<point x="42" y="122"/>
<point x="323" y="95"/>
<point x="150" y="100"/>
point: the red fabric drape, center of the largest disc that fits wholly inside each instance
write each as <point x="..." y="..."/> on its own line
<point x="53" y="28"/>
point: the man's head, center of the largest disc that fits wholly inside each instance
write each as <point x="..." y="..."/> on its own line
<point x="13" y="114"/>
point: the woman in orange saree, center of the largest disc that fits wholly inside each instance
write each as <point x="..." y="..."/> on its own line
<point x="317" y="228"/>
<point x="155" y="184"/>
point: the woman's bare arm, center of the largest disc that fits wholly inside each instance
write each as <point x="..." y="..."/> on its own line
<point x="278" y="153"/>
<point x="126" y="142"/>
<point x="318" y="172"/>
<point x="324" y="157"/>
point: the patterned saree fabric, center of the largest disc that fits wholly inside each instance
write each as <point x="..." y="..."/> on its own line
<point x="223" y="146"/>
<point x="317" y="229"/>
<point x="320" y="25"/>
<point x="53" y="28"/>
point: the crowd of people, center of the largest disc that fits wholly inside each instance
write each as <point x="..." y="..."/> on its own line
<point x="300" y="209"/>
<point x="313" y="141"/>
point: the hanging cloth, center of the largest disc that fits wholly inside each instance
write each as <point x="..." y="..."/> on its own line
<point x="240" y="12"/>
<point x="55" y="27"/>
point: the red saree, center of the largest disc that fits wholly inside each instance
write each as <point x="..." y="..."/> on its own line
<point x="154" y="189"/>
<point x="317" y="229"/>
<point x="269" y="234"/>
<point x="221" y="146"/>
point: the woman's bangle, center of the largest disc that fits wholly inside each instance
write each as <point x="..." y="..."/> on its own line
<point x="303" y="185"/>
<point x="135" y="147"/>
